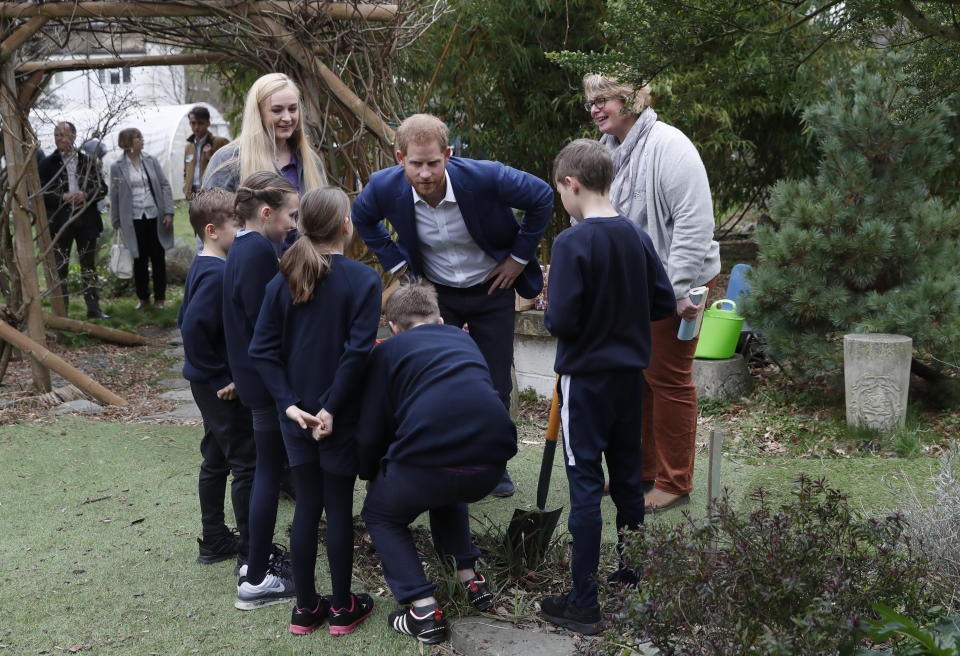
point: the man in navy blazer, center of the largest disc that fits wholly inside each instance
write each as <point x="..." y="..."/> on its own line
<point x="456" y="227"/>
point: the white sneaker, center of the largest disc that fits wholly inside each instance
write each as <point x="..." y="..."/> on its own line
<point x="272" y="590"/>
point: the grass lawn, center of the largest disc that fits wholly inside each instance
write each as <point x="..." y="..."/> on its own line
<point x="100" y="519"/>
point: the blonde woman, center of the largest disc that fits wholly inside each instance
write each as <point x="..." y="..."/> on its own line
<point x="141" y="207"/>
<point x="660" y="184"/>
<point x="271" y="139"/>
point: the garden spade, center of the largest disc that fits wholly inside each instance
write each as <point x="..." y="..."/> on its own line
<point x="530" y="531"/>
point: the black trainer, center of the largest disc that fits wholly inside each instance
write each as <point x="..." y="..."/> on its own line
<point x="561" y="612"/>
<point x="304" y="620"/>
<point x="623" y="577"/>
<point x="214" y="551"/>
<point x="346" y="620"/>
<point x="428" y="629"/>
<point x="478" y="592"/>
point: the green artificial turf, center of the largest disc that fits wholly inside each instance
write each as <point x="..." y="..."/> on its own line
<point x="99" y="540"/>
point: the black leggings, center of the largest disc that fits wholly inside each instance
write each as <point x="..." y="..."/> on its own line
<point x="318" y="490"/>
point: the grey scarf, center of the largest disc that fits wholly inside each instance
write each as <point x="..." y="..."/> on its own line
<point x="628" y="191"/>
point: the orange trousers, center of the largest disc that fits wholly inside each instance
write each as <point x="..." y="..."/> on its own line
<point x="668" y="434"/>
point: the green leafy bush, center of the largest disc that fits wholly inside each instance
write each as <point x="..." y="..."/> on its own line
<point x="797" y="579"/>
<point x="941" y="638"/>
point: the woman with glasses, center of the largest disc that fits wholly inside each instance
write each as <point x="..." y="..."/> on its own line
<point x="660" y="184"/>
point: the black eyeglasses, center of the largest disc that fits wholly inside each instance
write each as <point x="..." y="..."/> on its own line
<point x="599" y="102"/>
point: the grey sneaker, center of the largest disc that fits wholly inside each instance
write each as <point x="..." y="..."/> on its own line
<point x="272" y="590"/>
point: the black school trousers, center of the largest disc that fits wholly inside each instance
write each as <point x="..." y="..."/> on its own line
<point x="227" y="447"/>
<point x="399" y="494"/>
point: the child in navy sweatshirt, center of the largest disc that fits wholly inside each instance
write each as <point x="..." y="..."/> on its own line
<point x="606" y="286"/>
<point x="227" y="444"/>
<point x="266" y="204"/>
<point x="316" y="328"/>
<point x="434" y="436"/>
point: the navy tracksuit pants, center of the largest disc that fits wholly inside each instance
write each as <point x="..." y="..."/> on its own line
<point x="399" y="494"/>
<point x="600" y="414"/>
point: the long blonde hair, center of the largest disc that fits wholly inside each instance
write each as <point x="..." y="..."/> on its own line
<point x="256" y="146"/>
<point x="322" y="212"/>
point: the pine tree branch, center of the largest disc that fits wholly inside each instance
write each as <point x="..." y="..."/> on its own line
<point x="924" y="24"/>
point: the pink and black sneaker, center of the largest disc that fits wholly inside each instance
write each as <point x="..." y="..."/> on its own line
<point x="346" y="620"/>
<point x="304" y="620"/>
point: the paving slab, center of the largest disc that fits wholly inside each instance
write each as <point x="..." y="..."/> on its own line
<point x="176" y="351"/>
<point x="174" y="383"/>
<point x="175" y="338"/>
<point x="177" y="367"/>
<point x="479" y="636"/>
<point x="186" y="411"/>
<point x="80" y="405"/>
<point x="178" y="395"/>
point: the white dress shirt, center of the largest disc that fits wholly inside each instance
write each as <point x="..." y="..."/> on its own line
<point x="450" y="255"/>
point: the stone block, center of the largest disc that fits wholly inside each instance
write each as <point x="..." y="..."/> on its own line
<point x="480" y="636"/>
<point x="175" y="351"/>
<point x="179" y="259"/>
<point x="174" y="383"/>
<point x="178" y="395"/>
<point x="534" y="351"/>
<point x="876" y="379"/>
<point x="80" y="405"/>
<point x="722" y="379"/>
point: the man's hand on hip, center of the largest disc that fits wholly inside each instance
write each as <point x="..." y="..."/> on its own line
<point x="504" y="274"/>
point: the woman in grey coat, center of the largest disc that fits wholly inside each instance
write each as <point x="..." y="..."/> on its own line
<point x="660" y="184"/>
<point x="141" y="207"/>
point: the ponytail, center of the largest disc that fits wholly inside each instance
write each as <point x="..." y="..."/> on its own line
<point x="304" y="268"/>
<point x="259" y="189"/>
<point x="322" y="212"/>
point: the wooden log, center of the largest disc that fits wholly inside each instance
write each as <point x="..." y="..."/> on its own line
<point x="45" y="358"/>
<point x="101" y="332"/>
<point x="87" y="10"/>
<point x="21" y="36"/>
<point x="88" y="63"/>
<point x="26" y="254"/>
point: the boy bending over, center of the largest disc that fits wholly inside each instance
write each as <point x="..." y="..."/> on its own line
<point x="434" y="437"/>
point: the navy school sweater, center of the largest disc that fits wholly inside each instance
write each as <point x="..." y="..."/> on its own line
<point x="606" y="285"/>
<point x="200" y="320"/>
<point x="313" y="355"/>
<point x="429" y="401"/>
<point x="251" y="264"/>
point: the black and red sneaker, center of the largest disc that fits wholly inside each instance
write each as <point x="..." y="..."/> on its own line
<point x="346" y="620"/>
<point x="430" y="628"/>
<point x="304" y="620"/>
<point x="478" y="592"/>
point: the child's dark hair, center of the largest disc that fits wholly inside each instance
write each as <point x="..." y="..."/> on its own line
<point x="322" y="212"/>
<point x="586" y="160"/>
<point x="412" y="302"/>
<point x="259" y="189"/>
<point x="213" y="205"/>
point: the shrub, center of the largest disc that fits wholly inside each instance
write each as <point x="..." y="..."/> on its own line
<point x="790" y="580"/>
<point x="865" y="246"/>
<point x="934" y="523"/>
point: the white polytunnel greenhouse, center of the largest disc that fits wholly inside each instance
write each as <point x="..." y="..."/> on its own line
<point x="165" y="130"/>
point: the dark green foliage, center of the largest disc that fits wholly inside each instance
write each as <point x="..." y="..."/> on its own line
<point x="790" y="580"/>
<point x="730" y="75"/>
<point x="863" y="246"/>
<point x="483" y="70"/>
<point x="940" y="638"/>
